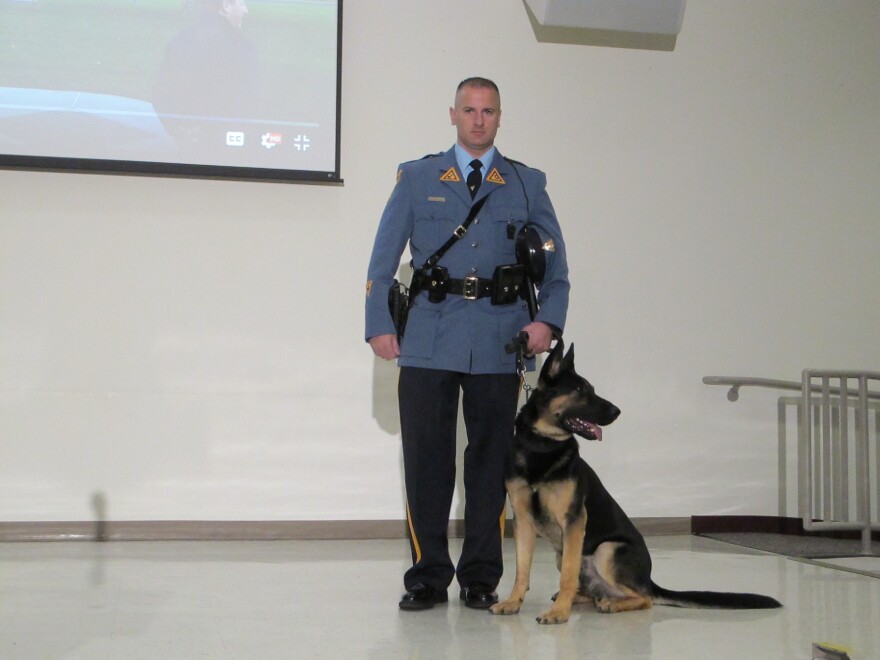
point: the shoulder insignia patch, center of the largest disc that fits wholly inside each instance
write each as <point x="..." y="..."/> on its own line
<point x="369" y="287"/>
<point x="399" y="175"/>
<point x="450" y="175"/>
<point x="415" y="160"/>
<point x="495" y="177"/>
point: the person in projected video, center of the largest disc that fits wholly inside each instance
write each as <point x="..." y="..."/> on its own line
<point x="209" y="78"/>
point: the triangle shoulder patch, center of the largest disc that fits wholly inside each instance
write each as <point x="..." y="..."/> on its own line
<point x="450" y="175"/>
<point x="495" y="177"/>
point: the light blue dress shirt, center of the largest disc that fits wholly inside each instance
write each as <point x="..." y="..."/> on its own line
<point x="463" y="159"/>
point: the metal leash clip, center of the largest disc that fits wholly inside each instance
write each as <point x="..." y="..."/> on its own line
<point x="520" y="345"/>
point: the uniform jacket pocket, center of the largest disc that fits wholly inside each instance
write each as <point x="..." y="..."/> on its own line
<point x="421" y="329"/>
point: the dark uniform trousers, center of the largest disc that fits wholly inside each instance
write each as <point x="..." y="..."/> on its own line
<point x="428" y="400"/>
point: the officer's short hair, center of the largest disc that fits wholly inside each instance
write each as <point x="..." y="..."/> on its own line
<point x="478" y="82"/>
<point x="192" y="6"/>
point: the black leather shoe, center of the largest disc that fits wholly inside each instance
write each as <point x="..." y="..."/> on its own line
<point x="422" y="597"/>
<point x="479" y="596"/>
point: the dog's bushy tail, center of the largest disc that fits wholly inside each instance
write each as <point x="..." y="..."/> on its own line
<point x="713" y="599"/>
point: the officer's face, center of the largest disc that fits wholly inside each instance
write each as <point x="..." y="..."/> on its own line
<point x="234" y="11"/>
<point x="476" y="116"/>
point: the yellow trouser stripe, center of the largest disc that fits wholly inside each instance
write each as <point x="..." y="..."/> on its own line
<point x="502" y="522"/>
<point x="412" y="533"/>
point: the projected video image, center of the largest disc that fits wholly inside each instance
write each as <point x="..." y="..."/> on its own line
<point x="231" y="83"/>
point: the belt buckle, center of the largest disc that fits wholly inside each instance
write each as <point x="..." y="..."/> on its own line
<point x="470" y="287"/>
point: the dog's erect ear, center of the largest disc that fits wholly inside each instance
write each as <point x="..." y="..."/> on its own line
<point x="554" y="364"/>
<point x="568" y="362"/>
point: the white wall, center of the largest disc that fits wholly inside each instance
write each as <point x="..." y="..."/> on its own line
<point x="193" y="349"/>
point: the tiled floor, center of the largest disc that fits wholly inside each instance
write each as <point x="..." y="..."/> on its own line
<point x="338" y="599"/>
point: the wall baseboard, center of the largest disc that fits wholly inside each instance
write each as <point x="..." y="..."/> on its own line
<point x="764" y="524"/>
<point x="282" y="530"/>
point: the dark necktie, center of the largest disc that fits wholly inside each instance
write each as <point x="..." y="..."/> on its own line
<point x="474" y="179"/>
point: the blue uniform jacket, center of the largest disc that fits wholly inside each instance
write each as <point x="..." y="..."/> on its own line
<point x="429" y="201"/>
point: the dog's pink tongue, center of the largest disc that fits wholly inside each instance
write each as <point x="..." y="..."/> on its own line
<point x="597" y="431"/>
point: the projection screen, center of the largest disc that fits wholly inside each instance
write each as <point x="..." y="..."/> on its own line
<point x="242" y="89"/>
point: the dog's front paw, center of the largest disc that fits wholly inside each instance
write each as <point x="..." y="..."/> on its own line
<point x="554" y="615"/>
<point x="507" y="607"/>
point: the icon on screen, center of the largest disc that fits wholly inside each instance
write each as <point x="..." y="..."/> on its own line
<point x="270" y="140"/>
<point x="234" y="139"/>
<point x="301" y="142"/>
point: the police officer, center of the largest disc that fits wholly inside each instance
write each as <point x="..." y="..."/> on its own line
<point x="455" y="337"/>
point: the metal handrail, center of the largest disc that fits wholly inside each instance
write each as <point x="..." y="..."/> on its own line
<point x="826" y="482"/>
<point x="735" y="382"/>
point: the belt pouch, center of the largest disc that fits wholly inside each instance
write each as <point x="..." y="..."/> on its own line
<point x="437" y="284"/>
<point x="507" y="283"/>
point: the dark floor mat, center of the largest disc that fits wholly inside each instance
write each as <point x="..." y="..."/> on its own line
<point x="791" y="545"/>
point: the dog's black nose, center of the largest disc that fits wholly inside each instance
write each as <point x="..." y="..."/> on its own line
<point x="614" y="412"/>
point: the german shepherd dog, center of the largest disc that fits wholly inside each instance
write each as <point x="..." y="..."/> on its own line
<point x="601" y="556"/>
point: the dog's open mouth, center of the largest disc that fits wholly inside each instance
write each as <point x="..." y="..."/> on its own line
<point x="583" y="428"/>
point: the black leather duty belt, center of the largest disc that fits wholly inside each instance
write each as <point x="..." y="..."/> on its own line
<point x="471" y="287"/>
<point x="506" y="286"/>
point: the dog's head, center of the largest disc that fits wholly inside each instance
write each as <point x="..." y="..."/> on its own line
<point x="564" y="402"/>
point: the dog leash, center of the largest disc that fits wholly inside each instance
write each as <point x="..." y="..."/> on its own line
<point x="520" y="345"/>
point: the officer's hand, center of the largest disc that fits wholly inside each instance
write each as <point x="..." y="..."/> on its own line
<point x="385" y="346"/>
<point x="540" y="337"/>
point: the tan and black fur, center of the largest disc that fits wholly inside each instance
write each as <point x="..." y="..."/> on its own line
<point x="602" y="557"/>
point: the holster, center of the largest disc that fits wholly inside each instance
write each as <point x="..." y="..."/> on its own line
<point x="399" y="303"/>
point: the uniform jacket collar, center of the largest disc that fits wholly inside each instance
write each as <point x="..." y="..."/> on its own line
<point x="457" y="184"/>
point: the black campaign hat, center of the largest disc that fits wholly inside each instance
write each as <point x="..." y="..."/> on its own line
<point x="530" y="253"/>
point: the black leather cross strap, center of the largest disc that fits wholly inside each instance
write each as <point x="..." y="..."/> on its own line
<point x="459" y="232"/>
<point x="421" y="276"/>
